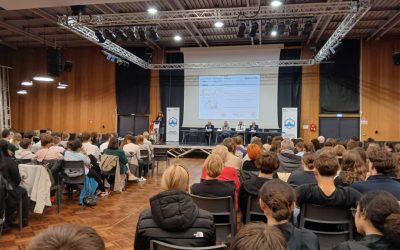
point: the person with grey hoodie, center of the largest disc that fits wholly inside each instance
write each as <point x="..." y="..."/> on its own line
<point x="288" y="161"/>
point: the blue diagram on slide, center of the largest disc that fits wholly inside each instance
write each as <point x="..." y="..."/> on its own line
<point x="229" y="97"/>
<point x="289" y="123"/>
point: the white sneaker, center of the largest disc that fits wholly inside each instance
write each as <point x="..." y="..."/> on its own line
<point x="132" y="178"/>
<point x="142" y="179"/>
<point x="106" y="184"/>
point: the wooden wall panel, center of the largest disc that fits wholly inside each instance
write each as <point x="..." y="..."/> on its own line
<point x="380" y="91"/>
<point x="89" y="102"/>
<point x="155" y="99"/>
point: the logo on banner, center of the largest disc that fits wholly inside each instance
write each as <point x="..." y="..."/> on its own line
<point x="289" y="123"/>
<point x="172" y="122"/>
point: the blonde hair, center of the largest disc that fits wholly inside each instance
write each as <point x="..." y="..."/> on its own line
<point x="221" y="151"/>
<point x="175" y="177"/>
<point x="214" y="165"/>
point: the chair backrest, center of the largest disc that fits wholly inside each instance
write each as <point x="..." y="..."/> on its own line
<point x="144" y="153"/>
<point x="158" y="245"/>
<point x="77" y="172"/>
<point x="24" y="161"/>
<point x="108" y="162"/>
<point x="160" y="151"/>
<point x="253" y="209"/>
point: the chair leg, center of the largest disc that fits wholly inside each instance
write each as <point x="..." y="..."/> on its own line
<point x="20" y="215"/>
<point x="59" y="195"/>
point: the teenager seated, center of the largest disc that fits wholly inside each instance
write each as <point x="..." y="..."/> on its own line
<point x="211" y="186"/>
<point x="231" y="159"/>
<point x="377" y="218"/>
<point x="288" y="161"/>
<point x="249" y="168"/>
<point x="25" y="150"/>
<point x="304" y="175"/>
<point x="173" y="217"/>
<point x="352" y="169"/>
<point x="382" y="166"/>
<point x="267" y="163"/>
<point x="277" y="200"/>
<point x="114" y="150"/>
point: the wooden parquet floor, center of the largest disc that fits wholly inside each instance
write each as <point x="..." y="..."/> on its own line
<point x="114" y="217"/>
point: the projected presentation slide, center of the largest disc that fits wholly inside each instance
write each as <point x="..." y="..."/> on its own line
<point x="229" y="97"/>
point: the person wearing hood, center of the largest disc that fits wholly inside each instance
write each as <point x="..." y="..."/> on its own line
<point x="288" y="161"/>
<point x="173" y="217"/>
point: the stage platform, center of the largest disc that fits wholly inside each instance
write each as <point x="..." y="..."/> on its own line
<point x="179" y="150"/>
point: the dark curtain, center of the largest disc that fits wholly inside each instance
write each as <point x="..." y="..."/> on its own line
<point x="340" y="80"/>
<point x="289" y="84"/>
<point x="133" y="86"/>
<point x="172" y="84"/>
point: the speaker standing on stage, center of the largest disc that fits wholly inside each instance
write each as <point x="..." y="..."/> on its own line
<point x="160" y="120"/>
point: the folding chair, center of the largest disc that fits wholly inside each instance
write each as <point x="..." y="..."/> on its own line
<point x="223" y="210"/>
<point x="158" y="245"/>
<point x="160" y="154"/>
<point x="78" y="181"/>
<point x="321" y="220"/>
<point x="253" y="210"/>
<point x="145" y="157"/>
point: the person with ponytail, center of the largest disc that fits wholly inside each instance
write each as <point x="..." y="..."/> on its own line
<point x="377" y="218"/>
<point x="277" y="200"/>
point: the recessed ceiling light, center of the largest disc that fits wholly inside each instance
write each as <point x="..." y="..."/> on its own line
<point x="177" y="38"/>
<point x="61" y="87"/>
<point x="152" y="10"/>
<point x="274" y="33"/>
<point x="22" y="92"/>
<point x="43" y="78"/>
<point x="276" y="3"/>
<point x="26" y="83"/>
<point x="218" y="24"/>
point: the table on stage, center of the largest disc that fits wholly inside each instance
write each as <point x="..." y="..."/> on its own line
<point x="196" y="132"/>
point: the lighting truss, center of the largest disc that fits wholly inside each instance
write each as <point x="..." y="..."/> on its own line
<point x="223" y="14"/>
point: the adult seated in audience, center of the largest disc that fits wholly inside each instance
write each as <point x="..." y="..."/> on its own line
<point x="321" y="140"/>
<point x="144" y="146"/>
<point x="88" y="147"/>
<point x="231" y="159"/>
<point x="38" y="145"/>
<point x="325" y="192"/>
<point x="211" y="186"/>
<point x="64" y="139"/>
<point x="75" y="152"/>
<point x="240" y="149"/>
<point x="330" y="142"/>
<point x="299" y="148"/>
<point x="352" y="169"/>
<point x="56" y="144"/>
<point x="9" y="171"/>
<point x="267" y="163"/>
<point x="309" y="147"/>
<point x="339" y="150"/>
<point x="382" y="166"/>
<point x="277" y="200"/>
<point x="67" y="237"/>
<point x="389" y="146"/>
<point x="16" y="139"/>
<point x="24" y="152"/>
<point x="249" y="168"/>
<point x="105" y="140"/>
<point x="304" y="175"/>
<point x="48" y="152"/>
<point x="258" y="236"/>
<point x="132" y="152"/>
<point x="276" y="146"/>
<point x="29" y="134"/>
<point x="113" y="149"/>
<point x="146" y="140"/>
<point x="316" y="144"/>
<point x="352" y="144"/>
<point x="7" y="135"/>
<point x="377" y="218"/>
<point x="288" y="161"/>
<point x="173" y="217"/>
<point x="94" y="137"/>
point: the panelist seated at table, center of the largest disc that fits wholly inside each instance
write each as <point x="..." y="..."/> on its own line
<point x="209" y="127"/>
<point x="226" y="126"/>
<point x="240" y="127"/>
<point x="253" y="127"/>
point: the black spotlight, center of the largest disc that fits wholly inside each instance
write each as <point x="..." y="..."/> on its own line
<point x="242" y="29"/>
<point x="100" y="36"/>
<point x="121" y="33"/>
<point x="254" y="29"/>
<point x="307" y="28"/>
<point x="110" y="35"/>
<point x="281" y="28"/>
<point x="294" y="28"/>
<point x="268" y="28"/>
<point x="153" y="34"/>
<point x="78" y="10"/>
<point x="142" y="34"/>
<point x="131" y="33"/>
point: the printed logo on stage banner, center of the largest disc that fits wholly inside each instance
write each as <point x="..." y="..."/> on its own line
<point x="173" y="121"/>
<point x="289" y="123"/>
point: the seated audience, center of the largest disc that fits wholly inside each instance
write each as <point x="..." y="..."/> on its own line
<point x="231" y="159"/>
<point x="94" y="137"/>
<point x="276" y="146"/>
<point x="352" y="144"/>
<point x="16" y="139"/>
<point x="377" y="218"/>
<point x="258" y="236"/>
<point x="339" y="150"/>
<point x="132" y="152"/>
<point x="38" y="144"/>
<point x="113" y="149"/>
<point x="240" y="150"/>
<point x="388" y="146"/>
<point x="249" y="168"/>
<point x="56" y="144"/>
<point x="144" y="146"/>
<point x="105" y="140"/>
<point x="48" y="152"/>
<point x="267" y="163"/>
<point x="7" y="135"/>
<point x="288" y="161"/>
<point x="24" y="152"/>
<point x="88" y="147"/>
<point x="64" y="139"/>
<point x="309" y="147"/>
<point x="147" y="141"/>
<point x="330" y="142"/>
<point x="352" y="169"/>
<point x="304" y="175"/>
<point x="382" y="166"/>
<point x="299" y="148"/>
<point x="67" y="237"/>
<point x="325" y="192"/>
<point x="316" y="144"/>
<point x="321" y="140"/>
<point x="9" y="171"/>
<point x="173" y="217"/>
<point x="211" y="186"/>
<point x="277" y="200"/>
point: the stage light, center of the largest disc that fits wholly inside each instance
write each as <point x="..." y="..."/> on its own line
<point x="71" y="20"/>
<point x="218" y="24"/>
<point x="281" y="28"/>
<point x="274" y="33"/>
<point x="268" y="28"/>
<point x="294" y="28"/>
<point x="152" y="10"/>
<point x="153" y="34"/>
<point x="26" y="83"/>
<point x="110" y="35"/>
<point x="254" y="29"/>
<point x="121" y="33"/>
<point x="62" y="85"/>
<point x="276" y="3"/>
<point x="307" y="28"/>
<point x="242" y="30"/>
<point x="43" y="78"/>
<point x="142" y="34"/>
<point x="99" y="36"/>
<point x="131" y="33"/>
<point x="22" y="92"/>
<point x="177" y="38"/>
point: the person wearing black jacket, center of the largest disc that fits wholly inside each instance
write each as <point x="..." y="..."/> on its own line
<point x="173" y="217"/>
<point x="9" y="170"/>
<point x="277" y="200"/>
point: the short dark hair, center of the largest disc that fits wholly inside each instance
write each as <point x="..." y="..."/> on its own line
<point x="45" y="139"/>
<point x="25" y="142"/>
<point x="382" y="160"/>
<point x="230" y="144"/>
<point x="6" y="132"/>
<point x="308" y="159"/>
<point x="74" y="145"/>
<point x="4" y="148"/>
<point x="267" y="162"/>
<point x="29" y="134"/>
<point x="326" y="165"/>
<point x="85" y="136"/>
<point x="113" y="143"/>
